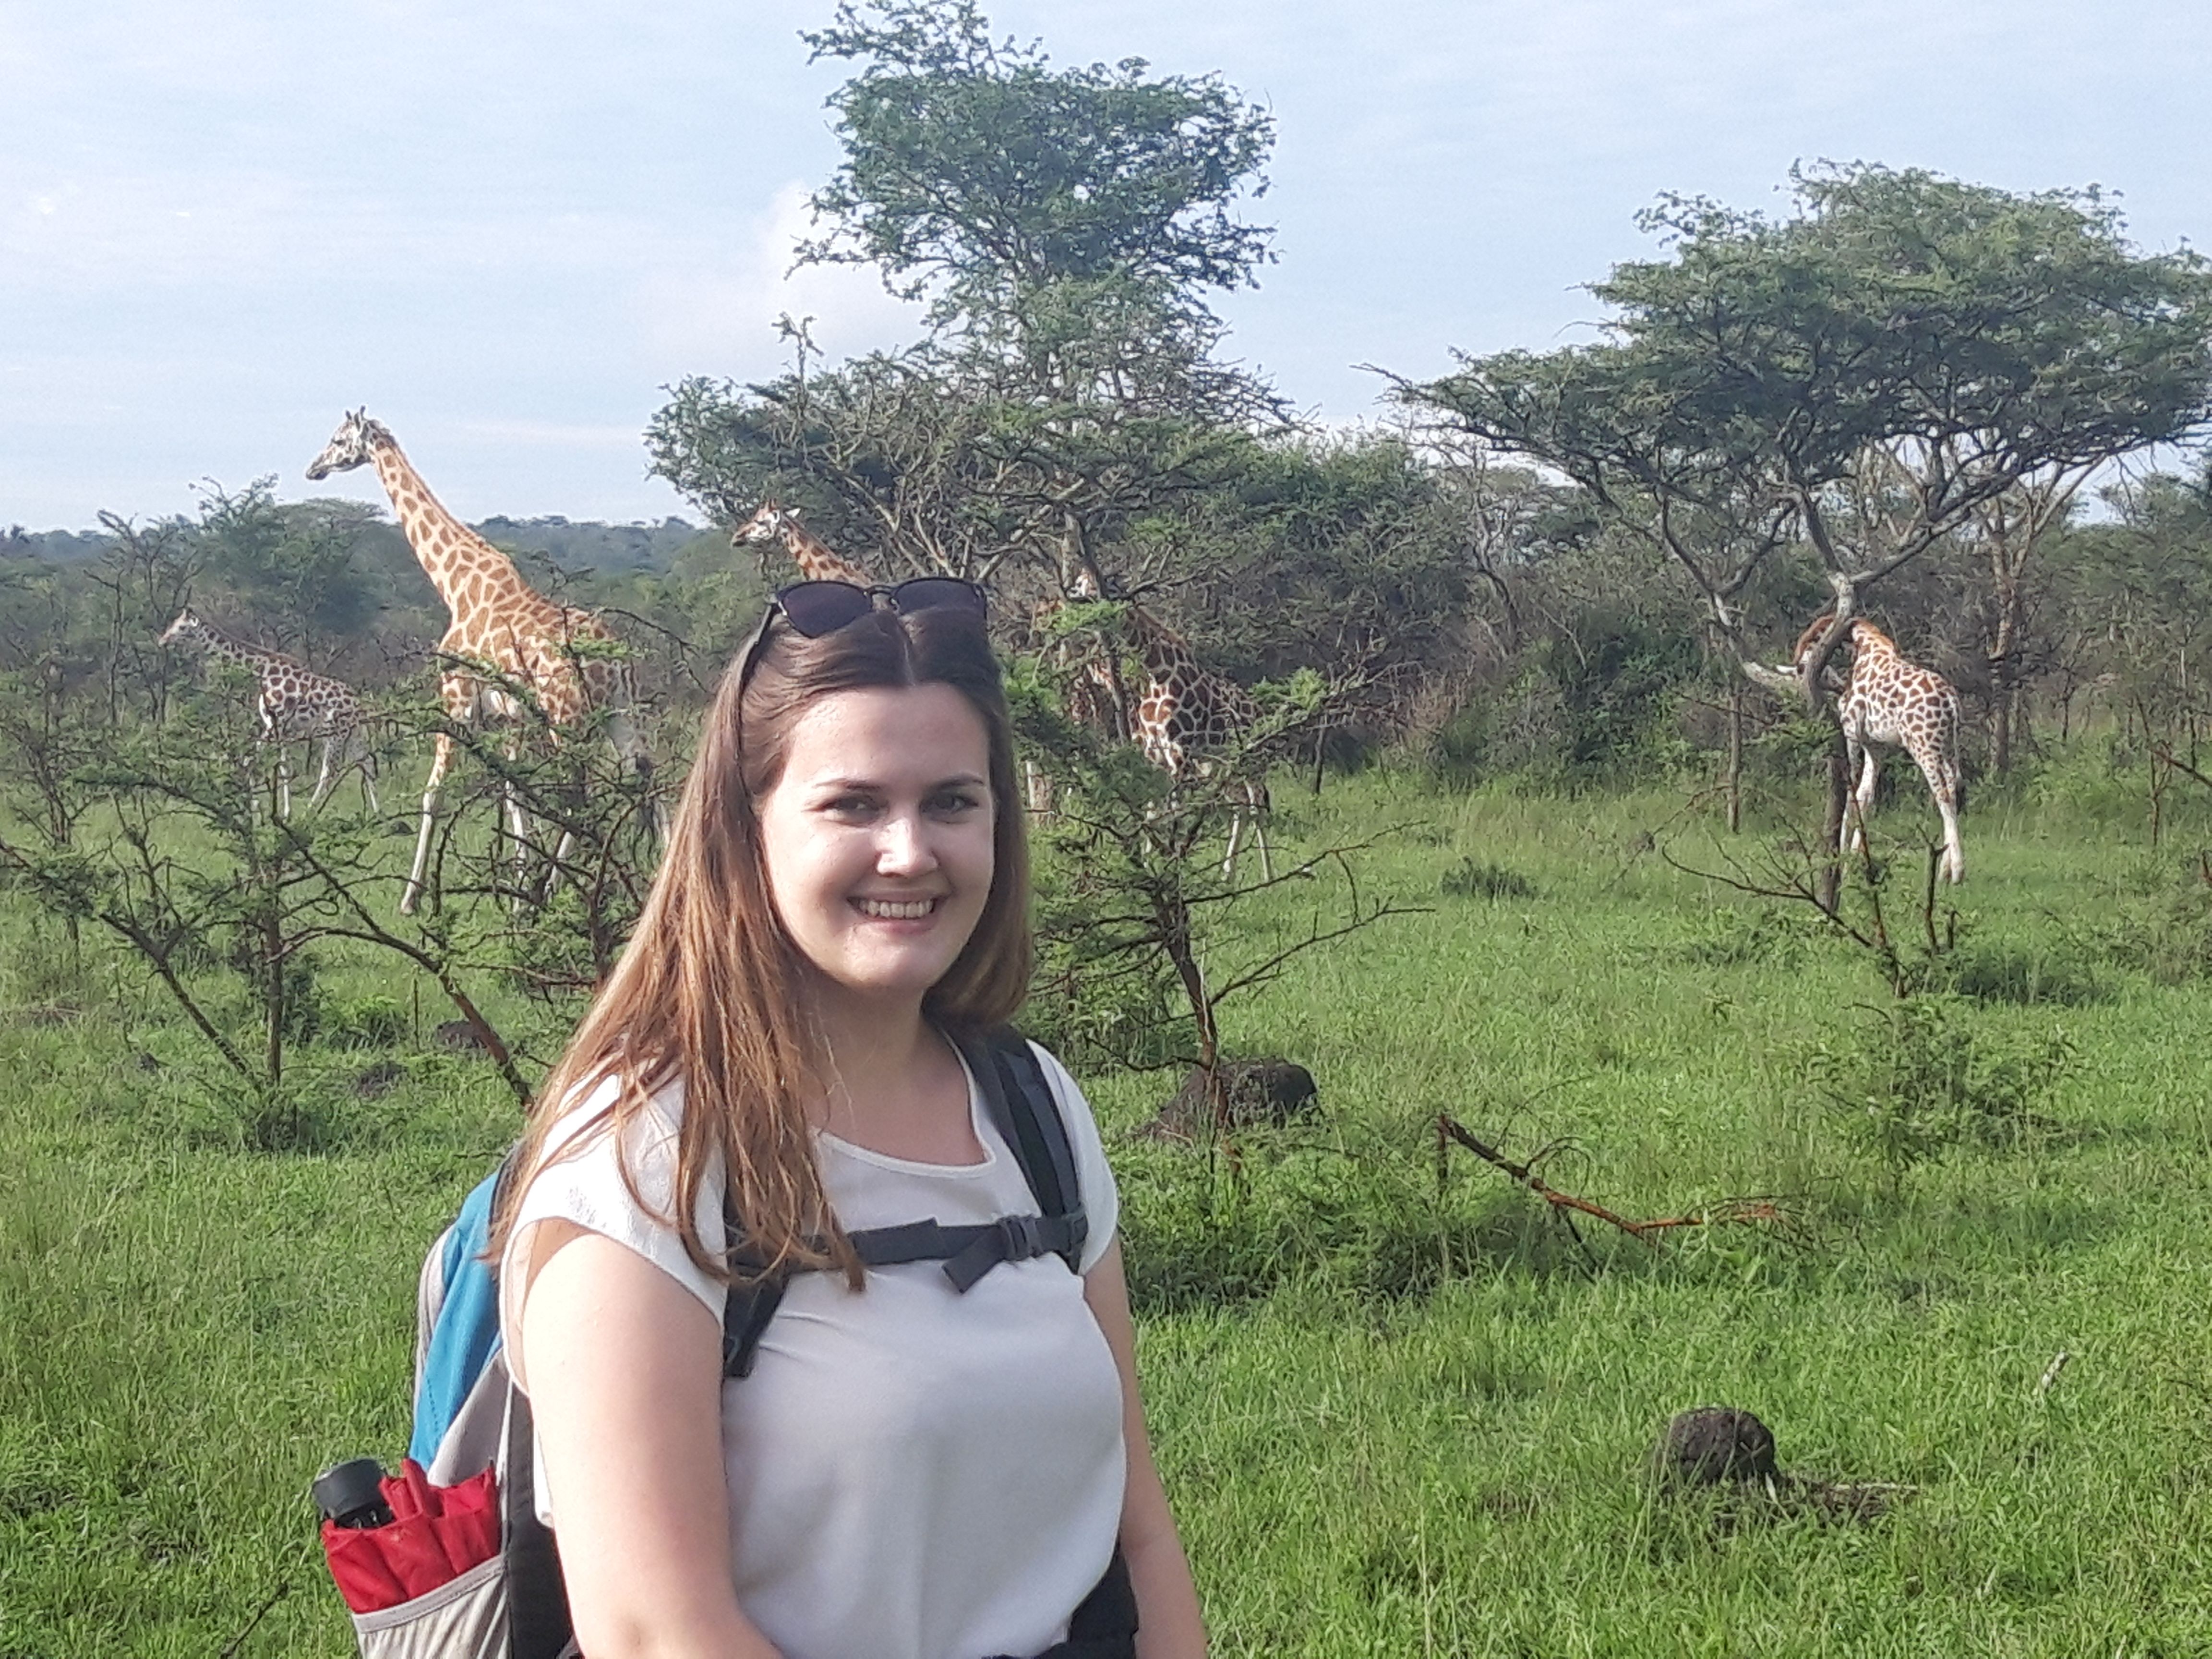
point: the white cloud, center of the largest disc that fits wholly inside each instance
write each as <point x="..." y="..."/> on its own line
<point x="718" y="318"/>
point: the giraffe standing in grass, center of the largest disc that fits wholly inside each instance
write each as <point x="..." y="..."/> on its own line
<point x="497" y="618"/>
<point x="1887" y="702"/>
<point x="295" y="705"/>
<point x="815" y="560"/>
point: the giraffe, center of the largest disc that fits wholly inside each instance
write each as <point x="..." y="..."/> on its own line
<point x="295" y="705"/>
<point x="815" y="560"/>
<point x="495" y="618"/>
<point x="1888" y="701"/>
<point x="1188" y="717"/>
<point x="1093" y="697"/>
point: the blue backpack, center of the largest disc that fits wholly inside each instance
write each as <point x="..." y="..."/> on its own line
<point x="469" y="1416"/>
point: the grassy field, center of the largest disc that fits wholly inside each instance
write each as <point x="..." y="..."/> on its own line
<point x="1398" y="1416"/>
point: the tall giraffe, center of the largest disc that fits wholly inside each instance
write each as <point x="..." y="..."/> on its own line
<point x="1891" y="702"/>
<point x="817" y="560"/>
<point x="1188" y="718"/>
<point x="295" y="705"/>
<point x="495" y="618"/>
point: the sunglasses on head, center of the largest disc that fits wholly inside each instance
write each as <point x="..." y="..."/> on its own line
<point x="816" y="608"/>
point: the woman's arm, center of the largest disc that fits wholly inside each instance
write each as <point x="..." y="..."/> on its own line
<point x="625" y="1379"/>
<point x="1170" y="1626"/>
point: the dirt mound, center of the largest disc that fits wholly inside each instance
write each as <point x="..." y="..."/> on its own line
<point x="1265" y="1092"/>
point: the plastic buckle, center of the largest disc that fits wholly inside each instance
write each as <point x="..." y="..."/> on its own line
<point x="1024" y="1235"/>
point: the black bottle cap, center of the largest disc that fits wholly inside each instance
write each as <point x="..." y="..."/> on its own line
<point x="347" y="1488"/>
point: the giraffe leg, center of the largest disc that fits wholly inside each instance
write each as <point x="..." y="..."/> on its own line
<point x="367" y="754"/>
<point x="629" y="744"/>
<point x="1259" y="792"/>
<point x="559" y="863"/>
<point x="1861" y="758"/>
<point x="517" y="829"/>
<point x="440" y="761"/>
<point x="1235" y="841"/>
<point x="324" y="778"/>
<point x="1943" y="786"/>
<point x="283" y="784"/>
<point x="1955" y="853"/>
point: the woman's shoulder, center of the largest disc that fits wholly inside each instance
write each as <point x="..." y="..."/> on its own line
<point x="587" y="1108"/>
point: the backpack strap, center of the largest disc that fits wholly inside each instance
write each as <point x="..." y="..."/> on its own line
<point x="538" y="1624"/>
<point x="749" y="1304"/>
<point x="1026" y="1114"/>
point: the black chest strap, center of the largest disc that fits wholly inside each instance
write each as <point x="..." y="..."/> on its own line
<point x="1025" y="1112"/>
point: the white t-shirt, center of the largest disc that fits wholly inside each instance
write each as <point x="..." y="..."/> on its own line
<point x="914" y="1473"/>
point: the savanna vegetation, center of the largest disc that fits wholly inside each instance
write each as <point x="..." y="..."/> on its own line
<point x="1632" y="1096"/>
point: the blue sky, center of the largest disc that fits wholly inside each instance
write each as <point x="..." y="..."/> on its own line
<point x="505" y="227"/>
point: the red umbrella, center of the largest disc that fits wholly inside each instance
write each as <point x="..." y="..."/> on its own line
<point x="436" y="1534"/>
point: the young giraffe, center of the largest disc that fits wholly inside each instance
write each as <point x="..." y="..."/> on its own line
<point x="1187" y="715"/>
<point x="495" y="618"/>
<point x="297" y="705"/>
<point x="1889" y="702"/>
<point x="815" y="560"/>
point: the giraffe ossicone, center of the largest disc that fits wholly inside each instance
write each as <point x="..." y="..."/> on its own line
<point x="1887" y="702"/>
<point x="496" y="619"/>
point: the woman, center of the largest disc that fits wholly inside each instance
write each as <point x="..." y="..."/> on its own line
<point x="907" y="1473"/>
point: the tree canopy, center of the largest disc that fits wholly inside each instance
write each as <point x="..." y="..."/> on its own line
<point x="974" y="168"/>
<point x="1861" y="374"/>
<point x="1068" y="225"/>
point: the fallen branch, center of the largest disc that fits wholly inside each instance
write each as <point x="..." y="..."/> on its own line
<point x="1449" y="1129"/>
<point x="1727" y="1212"/>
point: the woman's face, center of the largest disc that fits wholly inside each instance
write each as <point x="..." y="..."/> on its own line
<point x="877" y="837"/>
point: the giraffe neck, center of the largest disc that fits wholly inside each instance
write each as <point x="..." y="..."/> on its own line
<point x="226" y="649"/>
<point x="1166" y="657"/>
<point x="815" y="559"/>
<point x="1875" y="653"/>
<point x="461" y="565"/>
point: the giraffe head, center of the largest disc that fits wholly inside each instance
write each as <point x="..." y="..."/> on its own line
<point x="354" y="445"/>
<point x="188" y="629"/>
<point x="1860" y="635"/>
<point x="1809" y="639"/>
<point x="766" y="525"/>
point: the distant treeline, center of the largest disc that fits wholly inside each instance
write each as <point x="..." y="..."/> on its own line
<point x="575" y="545"/>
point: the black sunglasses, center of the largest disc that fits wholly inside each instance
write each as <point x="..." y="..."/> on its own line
<point x="814" y="608"/>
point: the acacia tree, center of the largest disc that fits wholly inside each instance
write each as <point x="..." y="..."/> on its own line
<point x="1859" y="378"/>
<point x="1066" y="225"/>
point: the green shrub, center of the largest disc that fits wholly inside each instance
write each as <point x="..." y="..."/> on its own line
<point x="1469" y="880"/>
<point x="374" y="1021"/>
<point x="1618" y="680"/>
<point x="1917" y="1079"/>
<point x="1735" y="938"/>
<point x="1363" y="1225"/>
<point x="1517" y="726"/>
<point x="2164" y="931"/>
<point x="1994" y="973"/>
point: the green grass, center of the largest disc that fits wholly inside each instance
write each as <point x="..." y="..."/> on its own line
<point x="1395" y="1419"/>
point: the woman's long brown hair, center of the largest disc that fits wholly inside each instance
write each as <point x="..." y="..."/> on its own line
<point x="710" y="992"/>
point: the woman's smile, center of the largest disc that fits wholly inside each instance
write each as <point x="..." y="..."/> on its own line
<point x="897" y="909"/>
<point x="877" y="837"/>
